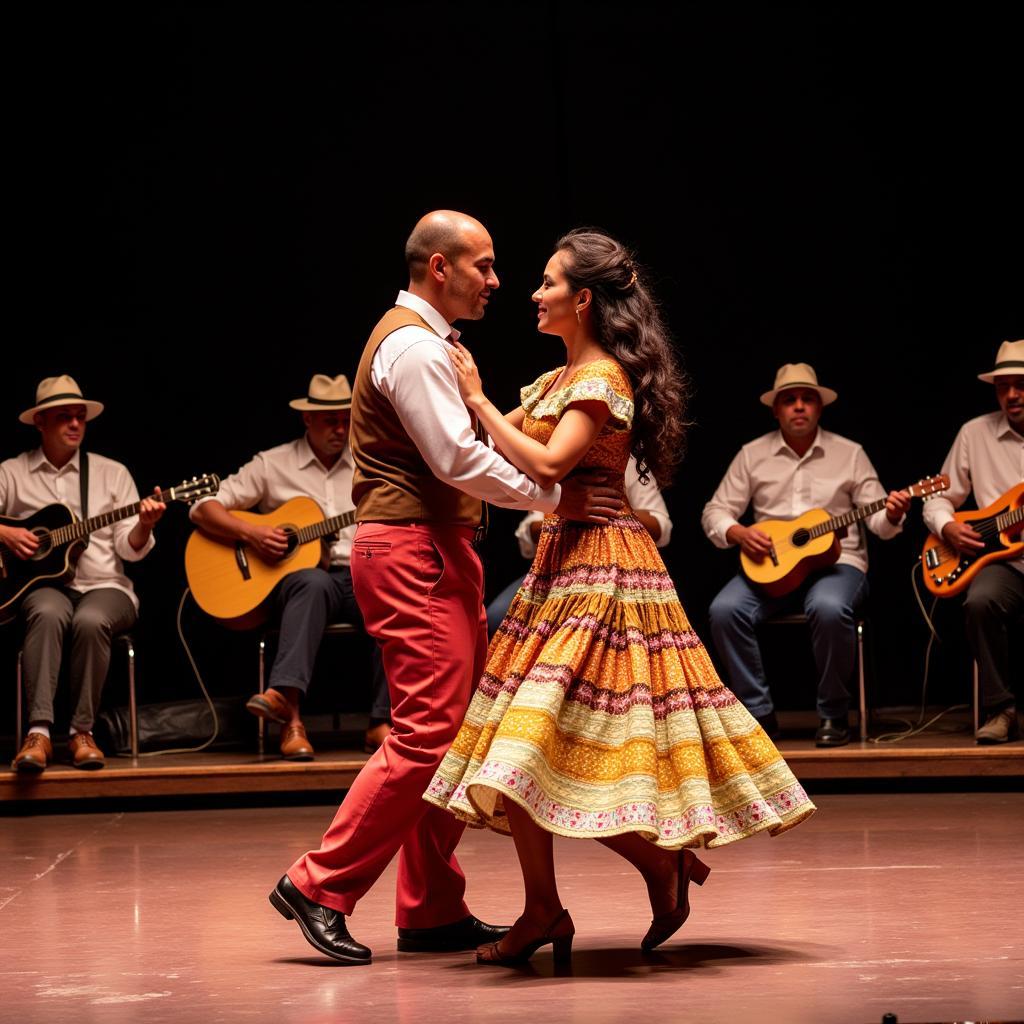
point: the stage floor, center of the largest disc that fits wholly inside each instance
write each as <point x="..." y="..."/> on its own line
<point x="948" y="753"/>
<point x="904" y="903"/>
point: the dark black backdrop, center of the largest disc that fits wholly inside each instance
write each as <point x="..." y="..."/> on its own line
<point x="208" y="204"/>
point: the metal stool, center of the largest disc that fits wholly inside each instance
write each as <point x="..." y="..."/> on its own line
<point x="333" y="629"/>
<point x="133" y="711"/>
<point x="799" y="619"/>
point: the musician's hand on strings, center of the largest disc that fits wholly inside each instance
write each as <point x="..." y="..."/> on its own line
<point x="960" y="536"/>
<point x="754" y="543"/>
<point x="270" y="542"/>
<point x="897" y="505"/>
<point x="21" y="541"/>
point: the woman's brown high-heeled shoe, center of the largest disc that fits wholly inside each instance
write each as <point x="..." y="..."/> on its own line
<point x="690" y="869"/>
<point x="559" y="933"/>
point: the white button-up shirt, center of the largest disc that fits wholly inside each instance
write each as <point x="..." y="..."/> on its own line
<point x="30" y="482"/>
<point x="834" y="474"/>
<point x="290" y="471"/>
<point x="411" y="369"/>
<point x="987" y="458"/>
<point x="641" y="497"/>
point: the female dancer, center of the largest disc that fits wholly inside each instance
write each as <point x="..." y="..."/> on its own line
<point x="599" y="713"/>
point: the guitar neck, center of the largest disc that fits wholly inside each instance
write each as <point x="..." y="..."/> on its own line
<point x="1011" y="518"/>
<point x="325" y="527"/>
<point x="855" y="515"/>
<point x="78" y="530"/>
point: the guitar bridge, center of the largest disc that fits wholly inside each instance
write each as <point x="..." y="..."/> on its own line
<point x="932" y="559"/>
<point x="242" y="560"/>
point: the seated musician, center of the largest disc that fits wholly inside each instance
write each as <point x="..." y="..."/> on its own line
<point x="317" y="465"/>
<point x="644" y="499"/>
<point x="782" y="475"/>
<point x="987" y="458"/>
<point x="98" y="601"/>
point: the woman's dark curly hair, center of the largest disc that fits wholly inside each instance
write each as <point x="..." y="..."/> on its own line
<point x="630" y="329"/>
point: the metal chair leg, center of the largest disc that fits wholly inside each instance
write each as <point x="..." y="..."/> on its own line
<point x="259" y="721"/>
<point x="17" y="720"/>
<point x="133" y="707"/>
<point x="977" y="710"/>
<point x="863" y="686"/>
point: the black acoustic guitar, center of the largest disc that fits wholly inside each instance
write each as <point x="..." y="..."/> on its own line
<point x="61" y="536"/>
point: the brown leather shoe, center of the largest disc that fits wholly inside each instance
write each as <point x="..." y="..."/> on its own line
<point x="271" y="706"/>
<point x="375" y="736"/>
<point x="35" y="754"/>
<point x="295" y="745"/>
<point x="84" y="752"/>
<point x="1000" y="728"/>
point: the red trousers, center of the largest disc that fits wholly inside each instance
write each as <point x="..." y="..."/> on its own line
<point x="420" y="589"/>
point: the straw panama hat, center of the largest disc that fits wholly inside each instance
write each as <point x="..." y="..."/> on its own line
<point x="1009" y="362"/>
<point x="325" y="393"/>
<point x="798" y="375"/>
<point x="56" y="391"/>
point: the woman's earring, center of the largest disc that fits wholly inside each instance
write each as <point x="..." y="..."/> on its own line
<point x="577" y="314"/>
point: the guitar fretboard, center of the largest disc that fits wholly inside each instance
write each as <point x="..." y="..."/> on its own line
<point x="325" y="527"/>
<point x="1011" y="518"/>
<point x="847" y="518"/>
<point x="75" y="531"/>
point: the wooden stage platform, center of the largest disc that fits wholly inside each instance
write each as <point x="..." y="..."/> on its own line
<point x="948" y="754"/>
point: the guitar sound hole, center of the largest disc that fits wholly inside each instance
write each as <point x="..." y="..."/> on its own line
<point x="45" y="545"/>
<point x="800" y="538"/>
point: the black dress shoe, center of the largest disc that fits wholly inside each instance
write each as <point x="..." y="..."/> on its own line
<point x="469" y="933"/>
<point x="833" y="732"/>
<point x="324" y="928"/>
<point x="770" y="724"/>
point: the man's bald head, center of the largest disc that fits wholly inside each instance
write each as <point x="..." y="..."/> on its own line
<point x="447" y="232"/>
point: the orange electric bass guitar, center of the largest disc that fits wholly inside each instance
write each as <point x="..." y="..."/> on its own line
<point x="948" y="571"/>
<point x="811" y="541"/>
<point x="232" y="583"/>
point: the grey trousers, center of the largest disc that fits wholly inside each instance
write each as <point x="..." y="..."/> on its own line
<point x="49" y="614"/>
<point x="994" y="605"/>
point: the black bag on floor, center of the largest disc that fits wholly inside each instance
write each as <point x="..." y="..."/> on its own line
<point x="182" y="723"/>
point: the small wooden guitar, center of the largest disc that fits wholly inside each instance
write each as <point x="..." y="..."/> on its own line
<point x="61" y="536"/>
<point x="231" y="582"/>
<point x="811" y="541"/>
<point x="948" y="571"/>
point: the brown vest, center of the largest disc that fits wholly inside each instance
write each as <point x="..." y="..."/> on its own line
<point x="392" y="482"/>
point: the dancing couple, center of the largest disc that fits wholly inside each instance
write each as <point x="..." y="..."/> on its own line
<point x="596" y="713"/>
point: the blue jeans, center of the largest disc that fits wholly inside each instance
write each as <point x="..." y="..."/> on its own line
<point x="498" y="608"/>
<point x="307" y="601"/>
<point x="829" y="599"/>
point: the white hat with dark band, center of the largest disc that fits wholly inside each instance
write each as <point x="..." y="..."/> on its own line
<point x="798" y="375"/>
<point x="325" y="393"/>
<point x="56" y="391"/>
<point x="1009" y="362"/>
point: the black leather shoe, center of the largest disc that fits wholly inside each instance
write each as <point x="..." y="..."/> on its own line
<point x="833" y="732"/>
<point x="324" y="928"/>
<point x="770" y="724"/>
<point x="469" y="933"/>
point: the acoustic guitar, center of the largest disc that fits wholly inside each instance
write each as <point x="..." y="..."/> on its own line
<point x="231" y="582"/>
<point x="61" y="536"/>
<point x="947" y="571"/>
<point x="811" y="541"/>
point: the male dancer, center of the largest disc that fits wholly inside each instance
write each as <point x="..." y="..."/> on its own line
<point x="421" y="475"/>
